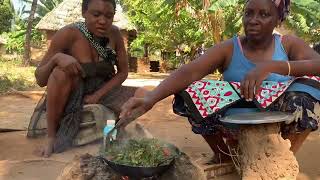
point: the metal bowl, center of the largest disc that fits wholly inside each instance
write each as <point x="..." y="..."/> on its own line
<point x="139" y="172"/>
<point x="257" y="118"/>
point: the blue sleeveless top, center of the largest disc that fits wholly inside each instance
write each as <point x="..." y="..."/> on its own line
<point x="240" y="66"/>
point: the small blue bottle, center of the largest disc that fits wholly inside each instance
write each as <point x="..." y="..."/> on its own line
<point x="110" y="125"/>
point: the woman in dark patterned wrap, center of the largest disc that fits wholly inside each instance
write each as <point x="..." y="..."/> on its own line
<point x="78" y="68"/>
<point x="250" y="60"/>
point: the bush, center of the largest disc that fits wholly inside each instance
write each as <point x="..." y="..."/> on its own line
<point x="16" y="40"/>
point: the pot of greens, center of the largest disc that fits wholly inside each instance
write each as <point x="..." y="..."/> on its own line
<point x="140" y="158"/>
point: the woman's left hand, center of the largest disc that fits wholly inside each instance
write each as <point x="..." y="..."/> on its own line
<point x="253" y="80"/>
<point x="91" y="99"/>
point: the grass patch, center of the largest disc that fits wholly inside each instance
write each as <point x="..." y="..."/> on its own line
<point x="14" y="75"/>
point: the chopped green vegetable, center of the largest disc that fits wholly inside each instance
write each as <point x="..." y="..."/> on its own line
<point x="141" y="152"/>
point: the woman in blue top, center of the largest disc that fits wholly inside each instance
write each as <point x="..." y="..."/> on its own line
<point x="250" y="59"/>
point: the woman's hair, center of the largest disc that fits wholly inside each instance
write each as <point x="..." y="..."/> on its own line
<point x="85" y="4"/>
<point x="283" y="7"/>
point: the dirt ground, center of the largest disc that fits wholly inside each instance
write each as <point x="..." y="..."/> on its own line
<point x="18" y="163"/>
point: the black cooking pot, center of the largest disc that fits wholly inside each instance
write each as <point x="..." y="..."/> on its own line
<point x="137" y="172"/>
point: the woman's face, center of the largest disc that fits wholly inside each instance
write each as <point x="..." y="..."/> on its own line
<point x="99" y="17"/>
<point x="259" y="19"/>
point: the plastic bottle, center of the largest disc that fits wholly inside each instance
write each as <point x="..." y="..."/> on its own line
<point x="110" y="125"/>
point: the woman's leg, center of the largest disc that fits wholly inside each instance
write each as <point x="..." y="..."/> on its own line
<point x="301" y="104"/>
<point x="297" y="139"/>
<point x="58" y="90"/>
<point x="217" y="145"/>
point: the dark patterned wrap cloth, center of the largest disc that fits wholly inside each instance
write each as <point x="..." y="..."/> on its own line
<point x="205" y="102"/>
<point x="69" y="125"/>
<point x="96" y="75"/>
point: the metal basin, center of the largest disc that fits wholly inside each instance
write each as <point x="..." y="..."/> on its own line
<point x="257" y="118"/>
<point x="139" y="172"/>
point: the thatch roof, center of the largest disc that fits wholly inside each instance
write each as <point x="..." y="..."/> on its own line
<point x="69" y="11"/>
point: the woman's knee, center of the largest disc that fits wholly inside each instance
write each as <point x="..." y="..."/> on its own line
<point x="59" y="76"/>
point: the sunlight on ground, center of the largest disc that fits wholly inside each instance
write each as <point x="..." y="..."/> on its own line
<point x="30" y="170"/>
<point x="4" y="170"/>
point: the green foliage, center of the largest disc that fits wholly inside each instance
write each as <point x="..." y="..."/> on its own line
<point x="169" y="26"/>
<point x="15" y="42"/>
<point x="305" y="19"/>
<point x="6" y="15"/>
<point x="43" y="6"/>
<point x="230" y="16"/>
<point x="13" y="75"/>
<point x="16" y="38"/>
<point x="182" y="25"/>
<point x="162" y="28"/>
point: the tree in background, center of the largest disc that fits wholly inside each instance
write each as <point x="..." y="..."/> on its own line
<point x="223" y="17"/>
<point x="38" y="10"/>
<point x="168" y="25"/>
<point x="27" y="46"/>
<point x="6" y="15"/>
<point x="161" y="27"/>
<point x="304" y="19"/>
<point x="182" y="27"/>
<point x="43" y="7"/>
<point x="16" y="38"/>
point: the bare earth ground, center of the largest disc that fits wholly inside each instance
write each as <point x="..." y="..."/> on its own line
<point x="18" y="163"/>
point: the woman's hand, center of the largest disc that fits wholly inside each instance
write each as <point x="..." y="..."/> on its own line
<point x="68" y="64"/>
<point x="253" y="80"/>
<point x="135" y="104"/>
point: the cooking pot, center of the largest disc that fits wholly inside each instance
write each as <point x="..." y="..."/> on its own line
<point x="140" y="172"/>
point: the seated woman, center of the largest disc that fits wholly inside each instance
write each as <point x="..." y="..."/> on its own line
<point x="248" y="61"/>
<point x="79" y="68"/>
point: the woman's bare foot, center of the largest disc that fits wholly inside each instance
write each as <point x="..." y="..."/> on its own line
<point x="47" y="150"/>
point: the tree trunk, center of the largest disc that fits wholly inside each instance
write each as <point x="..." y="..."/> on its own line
<point x="146" y="50"/>
<point x="26" y="56"/>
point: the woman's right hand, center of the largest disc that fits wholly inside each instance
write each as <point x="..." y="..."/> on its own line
<point x="68" y="64"/>
<point x="134" y="107"/>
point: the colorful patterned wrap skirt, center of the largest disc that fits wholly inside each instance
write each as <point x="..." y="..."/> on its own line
<point x="204" y="111"/>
